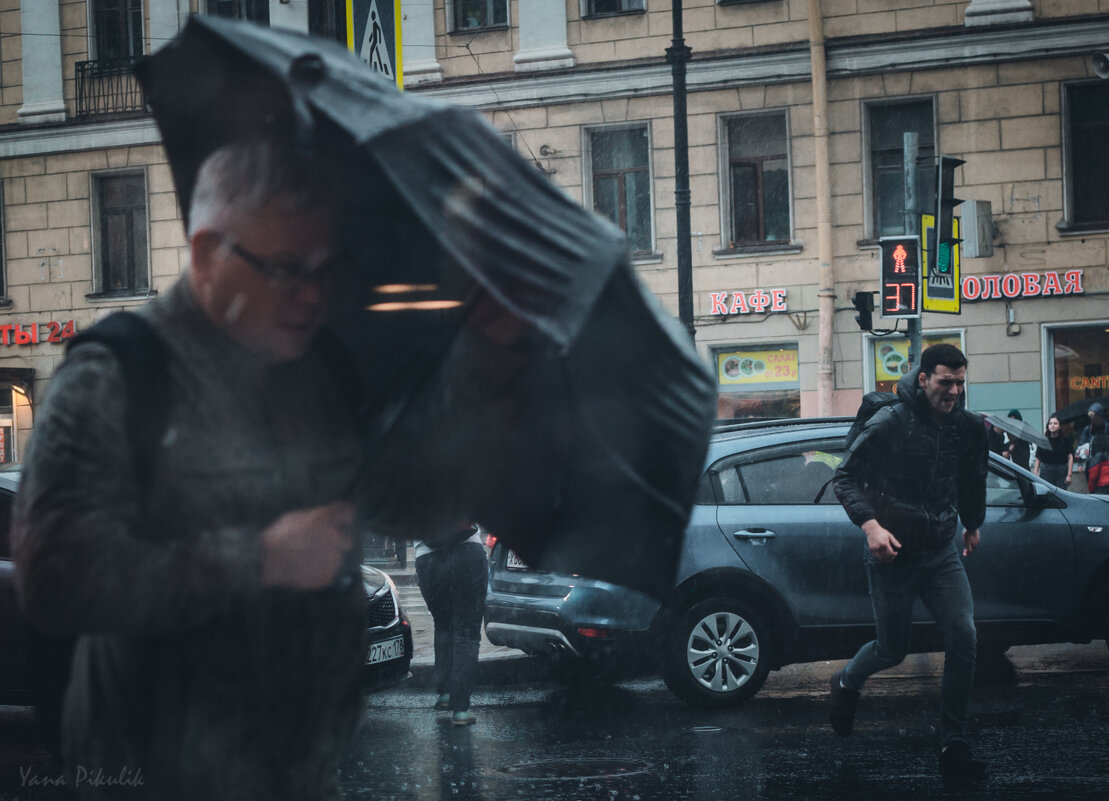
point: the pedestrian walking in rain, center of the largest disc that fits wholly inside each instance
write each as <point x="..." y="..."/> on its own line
<point x="217" y="608"/>
<point x="1055" y="464"/>
<point x="453" y="579"/>
<point x="1016" y="449"/>
<point x="916" y="468"/>
<point x="1093" y="447"/>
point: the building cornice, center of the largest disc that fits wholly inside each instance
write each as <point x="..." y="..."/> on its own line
<point x="43" y="140"/>
<point x="957" y="47"/>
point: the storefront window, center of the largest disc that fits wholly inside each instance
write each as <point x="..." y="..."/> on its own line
<point x="758" y="382"/>
<point x="891" y="357"/>
<point x="7" y="427"/>
<point x="1081" y="356"/>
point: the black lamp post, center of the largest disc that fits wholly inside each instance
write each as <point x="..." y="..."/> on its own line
<point x="677" y="55"/>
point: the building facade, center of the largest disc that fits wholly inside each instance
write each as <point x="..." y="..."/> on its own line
<point x="796" y="119"/>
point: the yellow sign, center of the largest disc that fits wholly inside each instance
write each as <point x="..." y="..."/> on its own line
<point x="940" y="292"/>
<point x="777" y="366"/>
<point x="374" y="35"/>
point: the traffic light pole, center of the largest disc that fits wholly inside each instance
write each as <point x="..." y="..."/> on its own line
<point x="678" y="54"/>
<point x="911" y="147"/>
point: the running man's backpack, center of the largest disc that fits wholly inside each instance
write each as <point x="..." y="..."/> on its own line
<point x="872" y="402"/>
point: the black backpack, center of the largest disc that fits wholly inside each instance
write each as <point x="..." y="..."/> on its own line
<point x="872" y="402"/>
<point x="144" y="361"/>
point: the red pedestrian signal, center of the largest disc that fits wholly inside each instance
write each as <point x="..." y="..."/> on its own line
<point x="900" y="293"/>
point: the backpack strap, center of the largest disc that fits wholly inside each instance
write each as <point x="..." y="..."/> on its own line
<point x="143" y="359"/>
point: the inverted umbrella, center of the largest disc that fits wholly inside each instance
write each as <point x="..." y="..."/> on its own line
<point x="550" y="397"/>
<point x="1019" y="429"/>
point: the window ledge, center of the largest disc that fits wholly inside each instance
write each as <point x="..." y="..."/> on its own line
<point x="1081" y="229"/>
<point x="5" y="303"/>
<point x="110" y="297"/>
<point x="783" y="249"/>
<point x="646" y="258"/>
<point x="610" y="14"/>
<point x="867" y="244"/>
<point x="480" y="29"/>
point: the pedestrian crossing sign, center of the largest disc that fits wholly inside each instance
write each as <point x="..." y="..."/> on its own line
<point x="374" y="35"/>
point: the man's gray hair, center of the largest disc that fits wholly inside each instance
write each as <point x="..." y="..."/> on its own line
<point x="242" y="177"/>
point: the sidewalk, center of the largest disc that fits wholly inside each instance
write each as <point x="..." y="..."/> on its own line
<point x="496" y="663"/>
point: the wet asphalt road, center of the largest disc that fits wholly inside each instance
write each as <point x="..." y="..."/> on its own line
<point x="1042" y="720"/>
<point x="1044" y="727"/>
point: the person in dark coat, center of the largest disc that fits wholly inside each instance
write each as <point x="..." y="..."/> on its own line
<point x="1016" y="450"/>
<point x="915" y="470"/>
<point x="220" y="619"/>
<point x="1093" y="447"/>
<point x="453" y="579"/>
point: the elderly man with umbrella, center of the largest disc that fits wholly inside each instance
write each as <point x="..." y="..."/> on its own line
<point x="212" y="587"/>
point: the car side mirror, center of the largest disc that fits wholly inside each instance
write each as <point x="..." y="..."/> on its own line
<point x="1041" y="495"/>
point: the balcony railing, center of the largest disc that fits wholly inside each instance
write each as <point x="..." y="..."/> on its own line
<point x="107" y="87"/>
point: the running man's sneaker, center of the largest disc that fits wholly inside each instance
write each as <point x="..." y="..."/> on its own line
<point x="841" y="706"/>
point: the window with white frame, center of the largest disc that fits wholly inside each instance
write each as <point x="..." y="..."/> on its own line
<point x="117" y="29"/>
<point x="467" y="15"/>
<point x="598" y="8"/>
<point x="887" y="123"/>
<point x="1087" y="170"/>
<point x="120" y="230"/>
<point x="253" y="10"/>
<point x="620" y="178"/>
<point x="757" y="180"/>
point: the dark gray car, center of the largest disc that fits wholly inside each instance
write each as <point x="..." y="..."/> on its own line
<point x="771" y="574"/>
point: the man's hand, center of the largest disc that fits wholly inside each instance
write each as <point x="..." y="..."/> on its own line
<point x="305" y="549"/>
<point x="882" y="543"/>
<point x="970" y="541"/>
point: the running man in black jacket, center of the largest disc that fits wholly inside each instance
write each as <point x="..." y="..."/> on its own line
<point x="916" y="468"/>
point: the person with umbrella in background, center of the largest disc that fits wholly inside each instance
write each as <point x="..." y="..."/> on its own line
<point x="1054" y="464"/>
<point x="219" y="612"/>
<point x="1016" y="449"/>
<point x="453" y="578"/>
<point x="1093" y="447"/>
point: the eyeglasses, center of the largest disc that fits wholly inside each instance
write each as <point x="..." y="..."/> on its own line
<point x="288" y="274"/>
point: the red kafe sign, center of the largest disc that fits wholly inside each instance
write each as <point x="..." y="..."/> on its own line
<point x="16" y="334"/>
<point x="1022" y="285"/>
<point x="755" y="301"/>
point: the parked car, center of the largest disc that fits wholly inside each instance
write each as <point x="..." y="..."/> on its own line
<point x="771" y="573"/>
<point x="388" y="656"/>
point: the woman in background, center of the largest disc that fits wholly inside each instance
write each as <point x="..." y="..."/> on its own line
<point x="1055" y="465"/>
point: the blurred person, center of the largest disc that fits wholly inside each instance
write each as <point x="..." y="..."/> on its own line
<point x="1055" y="464"/>
<point x="1093" y="448"/>
<point x="219" y="621"/>
<point x="454" y="579"/>
<point x="916" y="468"/>
<point x="1016" y="449"/>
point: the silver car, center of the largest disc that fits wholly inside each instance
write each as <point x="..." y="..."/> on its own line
<point x="772" y="573"/>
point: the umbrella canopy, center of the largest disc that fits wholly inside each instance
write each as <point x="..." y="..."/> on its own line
<point x="554" y="401"/>
<point x="1076" y="412"/>
<point x="1019" y="429"/>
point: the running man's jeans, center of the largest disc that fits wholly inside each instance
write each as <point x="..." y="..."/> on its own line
<point x="940" y="581"/>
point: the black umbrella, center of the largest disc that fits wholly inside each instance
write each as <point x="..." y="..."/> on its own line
<point x="1076" y="412"/>
<point x="552" y="400"/>
<point x="1019" y="429"/>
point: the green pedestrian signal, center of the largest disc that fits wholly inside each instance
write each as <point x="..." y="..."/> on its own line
<point x="943" y="258"/>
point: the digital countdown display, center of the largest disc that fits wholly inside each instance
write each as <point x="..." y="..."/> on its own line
<point x="900" y="295"/>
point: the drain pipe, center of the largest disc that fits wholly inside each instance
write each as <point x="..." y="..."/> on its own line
<point x="826" y="295"/>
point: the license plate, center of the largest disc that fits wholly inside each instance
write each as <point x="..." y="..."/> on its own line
<point x="385" y="650"/>
<point x="514" y="562"/>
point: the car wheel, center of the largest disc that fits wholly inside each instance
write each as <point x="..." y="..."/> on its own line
<point x="718" y="654"/>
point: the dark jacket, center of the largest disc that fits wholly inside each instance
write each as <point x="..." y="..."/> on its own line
<point x="915" y="475"/>
<point x="186" y="667"/>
